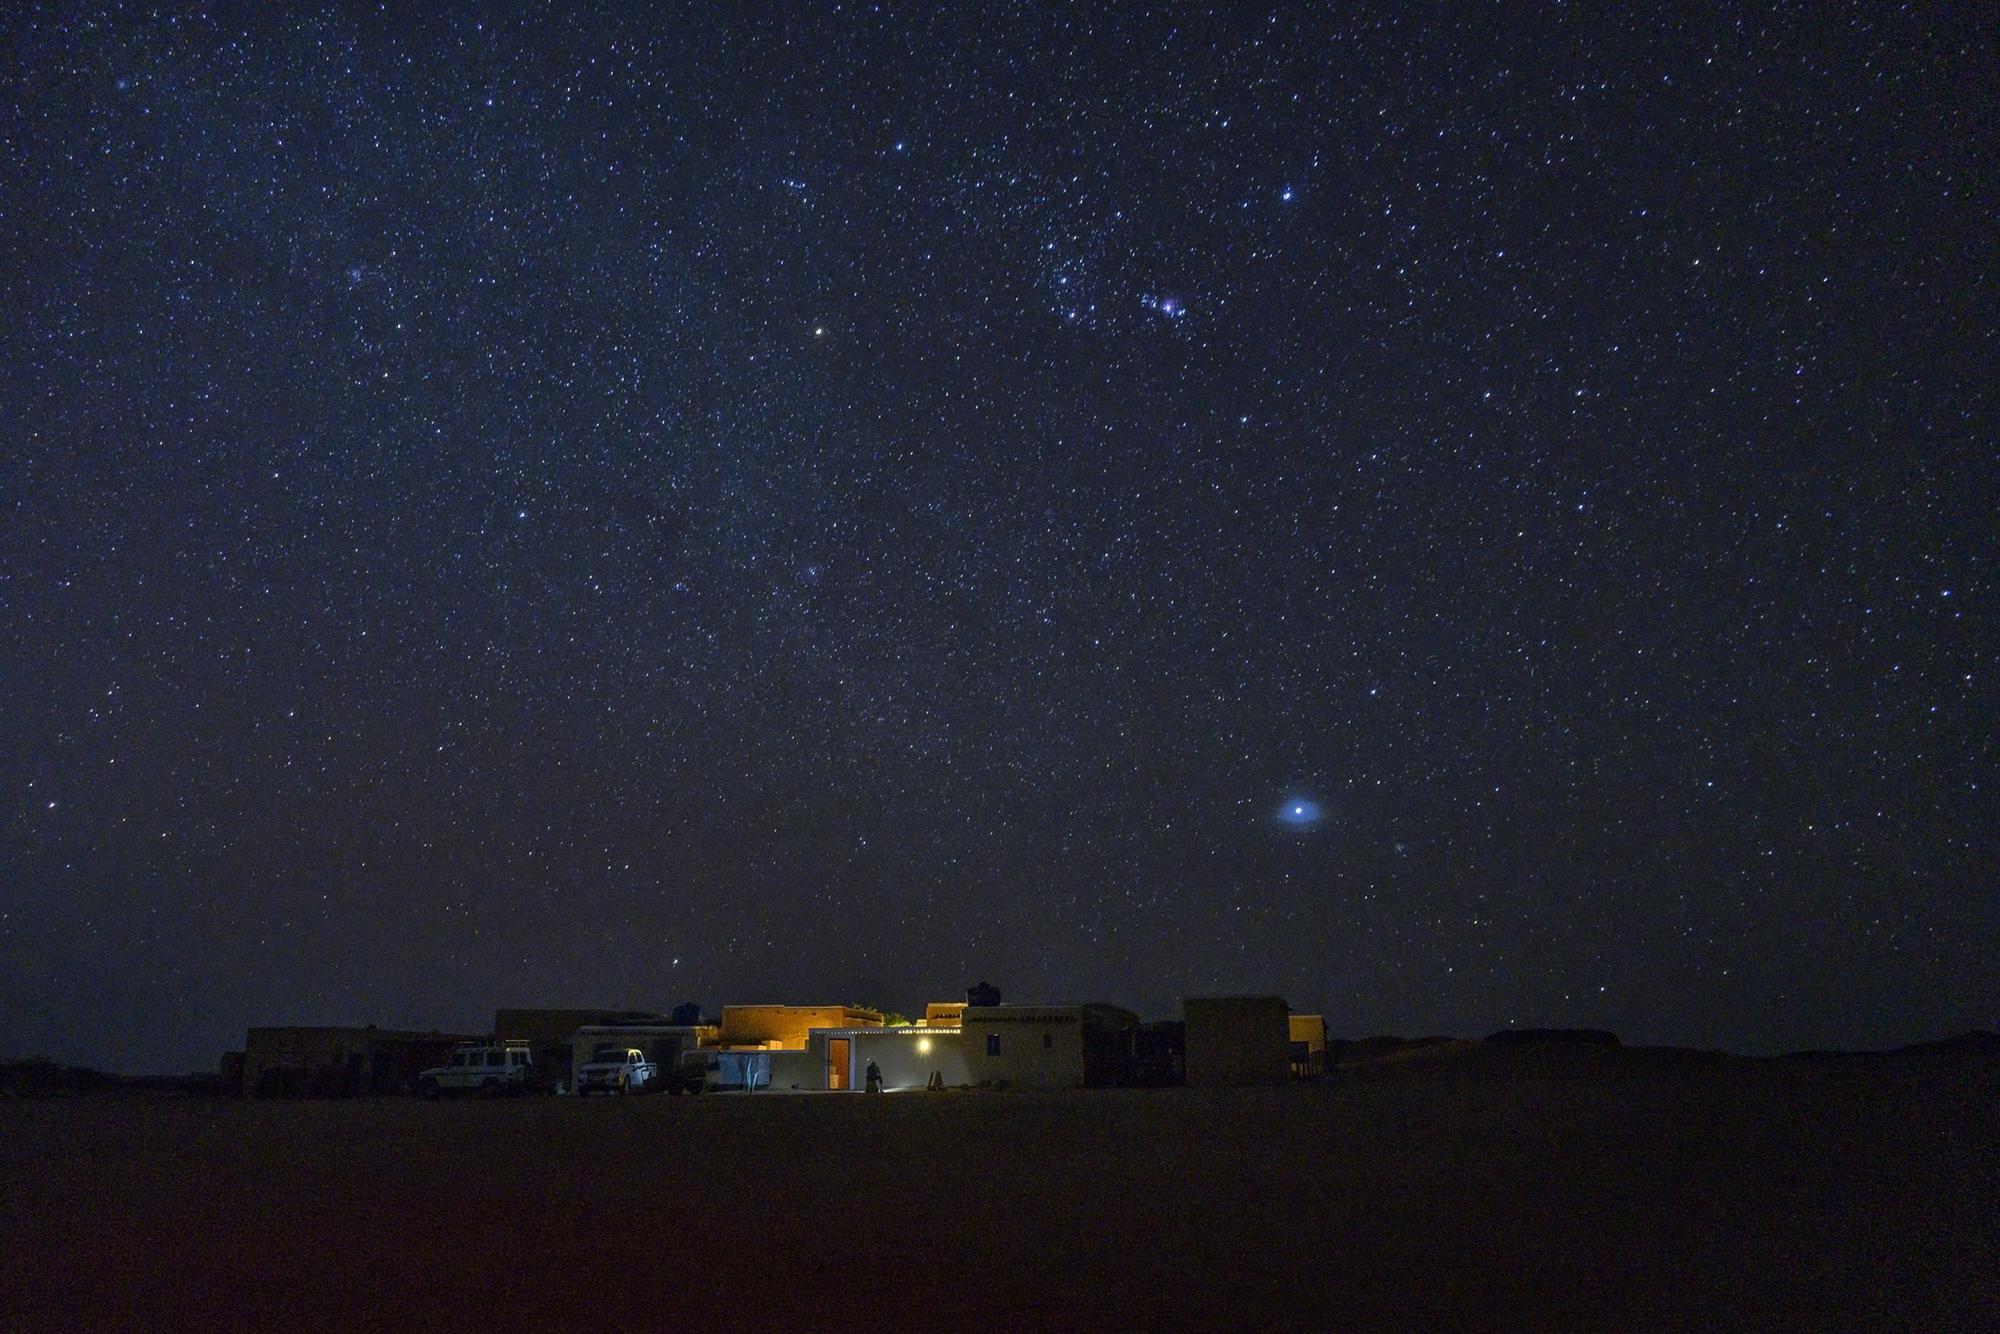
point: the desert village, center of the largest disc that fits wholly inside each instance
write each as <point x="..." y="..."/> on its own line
<point x="977" y="1042"/>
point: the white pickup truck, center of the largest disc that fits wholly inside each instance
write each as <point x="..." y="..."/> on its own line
<point x="614" y="1070"/>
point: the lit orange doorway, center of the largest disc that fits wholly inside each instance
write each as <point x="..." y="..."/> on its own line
<point x="837" y="1063"/>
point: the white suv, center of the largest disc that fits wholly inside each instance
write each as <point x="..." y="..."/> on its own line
<point x="492" y="1069"/>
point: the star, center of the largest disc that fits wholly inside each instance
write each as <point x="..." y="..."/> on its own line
<point x="1003" y="565"/>
<point x="1299" y="813"/>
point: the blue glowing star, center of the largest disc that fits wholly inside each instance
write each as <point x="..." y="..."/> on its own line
<point x="1299" y="813"/>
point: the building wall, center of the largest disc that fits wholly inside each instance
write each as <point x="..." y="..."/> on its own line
<point x="1110" y="1045"/>
<point x="1308" y="1036"/>
<point x="1238" y="1040"/>
<point x="798" y="1069"/>
<point x="906" y="1056"/>
<point x="944" y="1014"/>
<point x="329" y="1062"/>
<point x="1039" y="1046"/>
<point x="540" y="1027"/>
<point x="788" y="1026"/>
<point x="1309" y="1029"/>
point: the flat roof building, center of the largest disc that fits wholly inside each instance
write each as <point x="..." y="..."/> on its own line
<point x="907" y="1055"/>
<point x="1048" y="1046"/>
<point x="338" y="1062"/>
<point x="538" y="1027"/>
<point x="786" y="1027"/>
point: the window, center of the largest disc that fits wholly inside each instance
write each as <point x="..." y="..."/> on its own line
<point x="458" y="1058"/>
<point x="1048" y="1040"/>
<point x="992" y="1044"/>
<point x="496" y="1058"/>
<point x="520" y="1057"/>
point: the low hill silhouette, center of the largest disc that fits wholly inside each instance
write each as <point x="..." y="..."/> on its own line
<point x="1596" y="1037"/>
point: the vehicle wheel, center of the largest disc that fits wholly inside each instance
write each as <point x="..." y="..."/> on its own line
<point x="673" y="1090"/>
<point x="490" y="1089"/>
<point x="428" y="1089"/>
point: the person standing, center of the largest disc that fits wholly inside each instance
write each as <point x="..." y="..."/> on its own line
<point x="874" y="1077"/>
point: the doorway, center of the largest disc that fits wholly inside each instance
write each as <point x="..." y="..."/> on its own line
<point x="838" y="1071"/>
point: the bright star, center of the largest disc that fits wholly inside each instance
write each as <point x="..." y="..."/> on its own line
<point x="1299" y="812"/>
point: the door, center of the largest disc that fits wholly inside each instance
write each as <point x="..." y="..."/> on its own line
<point x="837" y="1059"/>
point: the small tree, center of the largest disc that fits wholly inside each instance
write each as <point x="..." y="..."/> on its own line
<point x="890" y="1018"/>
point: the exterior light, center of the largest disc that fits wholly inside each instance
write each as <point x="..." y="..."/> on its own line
<point x="923" y="1046"/>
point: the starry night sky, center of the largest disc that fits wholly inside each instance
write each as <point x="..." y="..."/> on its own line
<point x="1455" y="522"/>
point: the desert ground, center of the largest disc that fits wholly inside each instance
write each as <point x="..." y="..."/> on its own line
<point x="1461" y="1186"/>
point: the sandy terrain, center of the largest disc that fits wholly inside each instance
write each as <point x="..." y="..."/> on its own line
<point x="1466" y="1188"/>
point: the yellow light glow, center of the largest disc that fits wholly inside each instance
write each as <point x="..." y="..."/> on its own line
<point x="923" y="1046"/>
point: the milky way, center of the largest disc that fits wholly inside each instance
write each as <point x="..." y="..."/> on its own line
<point x="497" y="501"/>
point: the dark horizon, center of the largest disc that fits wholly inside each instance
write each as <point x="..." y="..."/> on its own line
<point x="482" y="1029"/>
<point x="1457" y="520"/>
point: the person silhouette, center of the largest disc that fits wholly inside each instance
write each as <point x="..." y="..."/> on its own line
<point x="874" y="1077"/>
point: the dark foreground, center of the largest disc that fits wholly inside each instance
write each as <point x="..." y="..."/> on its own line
<point x="1465" y="1188"/>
